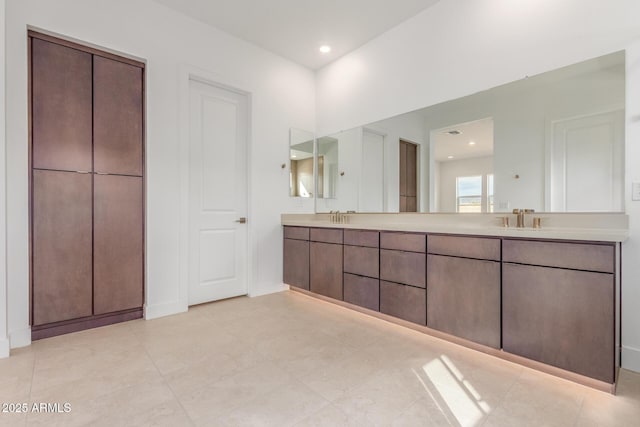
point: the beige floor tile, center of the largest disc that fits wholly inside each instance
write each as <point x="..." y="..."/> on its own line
<point x="328" y="416"/>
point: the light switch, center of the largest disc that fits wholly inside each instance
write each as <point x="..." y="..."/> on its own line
<point x="635" y="191"/>
<point x="503" y="206"/>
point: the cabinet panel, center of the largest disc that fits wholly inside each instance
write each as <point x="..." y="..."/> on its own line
<point x="412" y="242"/>
<point x="296" y="263"/>
<point x="404" y="302"/>
<point x="326" y="269"/>
<point x="362" y="261"/>
<point x="61" y="107"/>
<point x="298" y="233"/>
<point x="117" y="115"/>
<point x="362" y="238"/>
<point x="118" y="243"/>
<point x="463" y="298"/>
<point x="326" y="235"/>
<point x="578" y="256"/>
<point x="61" y="246"/>
<point x="469" y="247"/>
<point x="564" y="318"/>
<point x="403" y="267"/>
<point x="362" y="291"/>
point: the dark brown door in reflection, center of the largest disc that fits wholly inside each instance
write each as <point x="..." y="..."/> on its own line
<point x="61" y="246"/>
<point x="408" y="177"/>
<point x="118" y="248"/>
<point x="117" y="115"/>
<point x="61" y="107"/>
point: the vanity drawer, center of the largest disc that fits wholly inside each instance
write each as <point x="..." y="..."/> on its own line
<point x="403" y="302"/>
<point x="576" y="256"/>
<point x="362" y="261"/>
<point x="362" y="291"/>
<point x="411" y="242"/>
<point x="326" y="235"/>
<point x="466" y="247"/>
<point x="298" y="233"/>
<point x="408" y="268"/>
<point x="367" y="238"/>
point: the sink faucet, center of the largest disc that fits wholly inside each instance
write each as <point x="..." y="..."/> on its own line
<point x="520" y="216"/>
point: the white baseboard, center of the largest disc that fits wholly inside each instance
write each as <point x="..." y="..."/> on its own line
<point x="267" y="289"/>
<point x="4" y="348"/>
<point x="20" y="338"/>
<point x="631" y="358"/>
<point x="154" y="311"/>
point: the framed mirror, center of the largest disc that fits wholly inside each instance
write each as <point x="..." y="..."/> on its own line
<point x="301" y="163"/>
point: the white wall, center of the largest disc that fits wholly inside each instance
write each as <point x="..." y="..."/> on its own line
<point x="450" y="170"/>
<point x="4" y="339"/>
<point x="282" y="96"/>
<point x="428" y="60"/>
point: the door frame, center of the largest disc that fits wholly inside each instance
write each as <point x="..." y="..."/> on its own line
<point x="186" y="74"/>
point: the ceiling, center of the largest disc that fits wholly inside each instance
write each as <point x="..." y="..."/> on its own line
<point x="479" y="131"/>
<point x="295" y="29"/>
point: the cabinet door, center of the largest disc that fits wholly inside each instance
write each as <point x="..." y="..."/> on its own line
<point x="326" y="269"/>
<point x="463" y="298"/>
<point x="296" y="263"/>
<point x="404" y="302"/>
<point x="118" y="243"/>
<point x="61" y="107"/>
<point x="117" y="116"/>
<point x="61" y="246"/>
<point x="564" y="318"/>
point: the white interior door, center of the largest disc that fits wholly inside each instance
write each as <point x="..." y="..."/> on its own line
<point x="587" y="168"/>
<point x="218" y="120"/>
<point x="372" y="176"/>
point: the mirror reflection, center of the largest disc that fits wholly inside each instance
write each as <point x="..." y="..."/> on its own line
<point x="301" y="144"/>
<point x="327" y="167"/>
<point x="552" y="142"/>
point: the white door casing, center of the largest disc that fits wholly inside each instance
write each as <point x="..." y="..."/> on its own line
<point x="218" y="249"/>
<point x="586" y="163"/>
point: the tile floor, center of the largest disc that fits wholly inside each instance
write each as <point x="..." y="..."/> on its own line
<point x="287" y="359"/>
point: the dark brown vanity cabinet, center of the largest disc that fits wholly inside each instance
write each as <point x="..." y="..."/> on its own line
<point x="87" y="186"/>
<point x="296" y="257"/>
<point x="463" y="287"/>
<point x="362" y="268"/>
<point x="403" y="264"/>
<point x="558" y="305"/>
<point x="325" y="262"/>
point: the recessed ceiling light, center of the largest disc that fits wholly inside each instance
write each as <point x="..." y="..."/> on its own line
<point x="472" y="143"/>
<point x="449" y="157"/>
<point x="325" y="48"/>
<point x="293" y="156"/>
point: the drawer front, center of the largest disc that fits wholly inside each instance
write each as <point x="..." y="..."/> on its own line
<point x="296" y="263"/>
<point x="463" y="298"/>
<point x="577" y="256"/>
<point x="403" y="302"/>
<point x="367" y="238"/>
<point x="362" y="261"/>
<point x="408" y="268"/>
<point x="326" y="269"/>
<point x="326" y="235"/>
<point x="362" y="291"/>
<point x="468" y="247"/>
<point x="403" y="241"/>
<point x="298" y="233"/>
<point x="564" y="318"/>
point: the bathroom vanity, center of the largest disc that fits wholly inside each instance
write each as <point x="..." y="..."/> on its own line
<point x="548" y="298"/>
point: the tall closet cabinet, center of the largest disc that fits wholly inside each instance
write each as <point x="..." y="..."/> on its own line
<point x="86" y="188"/>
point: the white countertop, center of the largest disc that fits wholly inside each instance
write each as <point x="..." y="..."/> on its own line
<point x="587" y="227"/>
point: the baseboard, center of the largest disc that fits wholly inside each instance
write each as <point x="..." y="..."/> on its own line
<point x="631" y="358"/>
<point x="20" y="338"/>
<point x="154" y="311"/>
<point x="4" y="348"/>
<point x="268" y="289"/>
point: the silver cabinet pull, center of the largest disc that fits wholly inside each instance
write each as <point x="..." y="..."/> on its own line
<point x="242" y="220"/>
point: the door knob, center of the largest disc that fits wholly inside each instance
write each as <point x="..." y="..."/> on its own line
<point x="242" y="220"/>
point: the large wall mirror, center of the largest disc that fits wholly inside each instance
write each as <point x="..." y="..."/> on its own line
<point x="552" y="142"/>
<point x="301" y="163"/>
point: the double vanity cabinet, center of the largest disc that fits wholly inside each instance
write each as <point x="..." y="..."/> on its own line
<point x="548" y="301"/>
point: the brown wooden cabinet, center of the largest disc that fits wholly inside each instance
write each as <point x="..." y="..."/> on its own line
<point x="404" y="302"/>
<point x="87" y="235"/>
<point x="463" y="287"/>
<point x="325" y="273"/>
<point x="362" y="268"/>
<point x="296" y="257"/>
